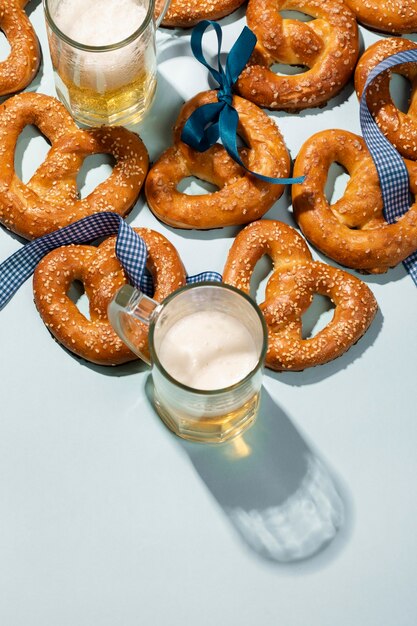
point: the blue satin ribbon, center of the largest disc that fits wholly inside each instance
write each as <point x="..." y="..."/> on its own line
<point x="219" y="120"/>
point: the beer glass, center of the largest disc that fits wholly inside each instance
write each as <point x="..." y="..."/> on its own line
<point x="207" y="415"/>
<point x="104" y="57"/>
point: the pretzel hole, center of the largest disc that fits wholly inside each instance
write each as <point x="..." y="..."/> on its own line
<point x="288" y="70"/>
<point x="193" y="186"/>
<point x="77" y="294"/>
<point x="337" y="179"/>
<point x="31" y="150"/>
<point x="317" y="316"/>
<point x="400" y="91"/>
<point x="296" y="15"/>
<point x="260" y="276"/>
<point x="4" y="47"/>
<point x="240" y="140"/>
<point x="95" y="169"/>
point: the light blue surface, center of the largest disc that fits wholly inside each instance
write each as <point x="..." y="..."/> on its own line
<point x="107" y="519"/>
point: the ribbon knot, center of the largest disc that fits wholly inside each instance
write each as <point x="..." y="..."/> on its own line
<point x="225" y="95"/>
<point x="219" y="120"/>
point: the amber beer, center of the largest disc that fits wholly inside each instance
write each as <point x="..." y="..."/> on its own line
<point x="104" y="58"/>
<point x="208" y="428"/>
<point x="115" y="105"/>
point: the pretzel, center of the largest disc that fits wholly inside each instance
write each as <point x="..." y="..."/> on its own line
<point x="50" y="199"/>
<point x="241" y="197"/>
<point x="399" y="128"/>
<point x="352" y="231"/>
<point x="22" y="64"/>
<point x="388" y="16"/>
<point x="102" y="275"/>
<point x="289" y="293"/>
<point x="327" y="45"/>
<point x="187" y="13"/>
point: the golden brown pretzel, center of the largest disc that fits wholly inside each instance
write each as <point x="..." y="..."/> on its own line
<point x="50" y="199"/>
<point x="400" y="128"/>
<point x="242" y="197"/>
<point x="101" y="274"/>
<point x="352" y="231"/>
<point x="187" y="13"/>
<point x="327" y="45"/>
<point x="388" y="16"/>
<point x="289" y="293"/>
<point x="22" y="64"/>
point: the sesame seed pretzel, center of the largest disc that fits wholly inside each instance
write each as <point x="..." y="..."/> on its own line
<point x="50" y="200"/>
<point x="187" y="13"/>
<point x="102" y="275"/>
<point x="289" y="293"/>
<point x="399" y="128"/>
<point x="388" y="16"/>
<point x="22" y="64"/>
<point x="328" y="46"/>
<point x="352" y="231"/>
<point x="242" y="197"/>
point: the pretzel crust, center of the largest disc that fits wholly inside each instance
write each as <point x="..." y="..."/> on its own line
<point x="353" y="230"/>
<point x="388" y="16"/>
<point x="50" y="199"/>
<point x="242" y="197"/>
<point x="399" y="128"/>
<point x="289" y="292"/>
<point x="187" y="13"/>
<point x="22" y="64"/>
<point x="102" y="275"/>
<point x="327" y="45"/>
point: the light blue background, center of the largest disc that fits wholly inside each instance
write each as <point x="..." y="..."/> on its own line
<point x="106" y="519"/>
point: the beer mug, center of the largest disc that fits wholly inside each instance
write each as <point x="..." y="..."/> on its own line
<point x="104" y="57"/>
<point x="207" y="344"/>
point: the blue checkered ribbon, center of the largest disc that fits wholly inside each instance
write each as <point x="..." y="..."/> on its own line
<point x="130" y="250"/>
<point x="392" y="172"/>
<point x="219" y="120"/>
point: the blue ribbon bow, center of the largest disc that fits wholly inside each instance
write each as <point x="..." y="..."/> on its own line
<point x="219" y="120"/>
<point x="131" y="251"/>
<point x="392" y="172"/>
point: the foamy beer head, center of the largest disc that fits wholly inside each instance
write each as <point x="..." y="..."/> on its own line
<point x="208" y="350"/>
<point x="91" y="24"/>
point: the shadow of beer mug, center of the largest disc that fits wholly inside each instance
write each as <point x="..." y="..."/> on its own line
<point x="276" y="492"/>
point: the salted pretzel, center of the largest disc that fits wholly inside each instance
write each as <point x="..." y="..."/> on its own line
<point x="388" y="16"/>
<point x="22" y="64"/>
<point x="102" y="275"/>
<point x="242" y="197"/>
<point x="399" y="128"/>
<point x="289" y="293"/>
<point x="187" y="13"/>
<point x="50" y="200"/>
<point x="328" y="46"/>
<point x="352" y="231"/>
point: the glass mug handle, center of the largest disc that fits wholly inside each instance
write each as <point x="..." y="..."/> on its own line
<point x="160" y="17"/>
<point x="132" y="302"/>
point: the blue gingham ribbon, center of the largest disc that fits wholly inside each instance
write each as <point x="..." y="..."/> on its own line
<point x="219" y="120"/>
<point x="392" y="172"/>
<point x="130" y="250"/>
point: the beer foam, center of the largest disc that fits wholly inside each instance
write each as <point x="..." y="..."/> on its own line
<point x="94" y="23"/>
<point x="208" y="350"/>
